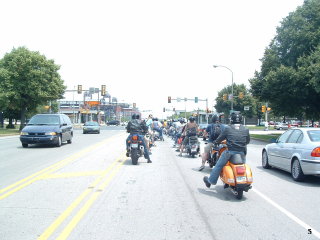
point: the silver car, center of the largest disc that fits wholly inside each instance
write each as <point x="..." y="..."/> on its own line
<point x="91" y="126"/>
<point x="296" y="151"/>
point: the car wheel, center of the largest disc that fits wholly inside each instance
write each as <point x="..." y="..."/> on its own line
<point x="59" y="143"/>
<point x="25" y="145"/>
<point x="265" y="161"/>
<point x="84" y="132"/>
<point x="296" y="171"/>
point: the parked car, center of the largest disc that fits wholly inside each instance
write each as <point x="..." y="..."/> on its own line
<point x="113" y="122"/>
<point x="281" y="126"/>
<point x="91" y="127"/>
<point x="296" y="151"/>
<point x="47" y="129"/>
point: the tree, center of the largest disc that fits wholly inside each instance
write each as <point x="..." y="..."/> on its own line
<point x="238" y="103"/>
<point x="289" y="76"/>
<point x="27" y="80"/>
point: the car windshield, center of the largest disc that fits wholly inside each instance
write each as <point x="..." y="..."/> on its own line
<point x="314" y="135"/>
<point x="91" y="124"/>
<point x="44" y="120"/>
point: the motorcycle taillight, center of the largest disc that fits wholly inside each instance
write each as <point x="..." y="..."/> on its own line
<point x="135" y="138"/>
<point x="241" y="170"/>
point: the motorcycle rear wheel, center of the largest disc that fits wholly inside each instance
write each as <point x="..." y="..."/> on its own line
<point x="134" y="156"/>
<point x="240" y="194"/>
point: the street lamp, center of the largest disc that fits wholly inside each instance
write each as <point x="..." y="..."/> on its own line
<point x="215" y="66"/>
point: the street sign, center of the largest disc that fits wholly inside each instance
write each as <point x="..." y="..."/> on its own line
<point x="246" y="108"/>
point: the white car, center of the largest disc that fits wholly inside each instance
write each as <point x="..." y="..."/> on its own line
<point x="296" y="151"/>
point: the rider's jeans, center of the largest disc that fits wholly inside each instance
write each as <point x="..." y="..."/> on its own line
<point x="140" y="138"/>
<point x="222" y="161"/>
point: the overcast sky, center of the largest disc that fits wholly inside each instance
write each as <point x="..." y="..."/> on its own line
<point x="145" y="50"/>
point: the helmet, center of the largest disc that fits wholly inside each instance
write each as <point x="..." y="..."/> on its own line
<point x="137" y="116"/>
<point x="215" y="118"/>
<point x="192" y="119"/>
<point x="181" y="120"/>
<point x="235" y="117"/>
<point x="133" y="116"/>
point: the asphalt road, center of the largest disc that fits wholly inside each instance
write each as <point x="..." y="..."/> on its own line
<point x="89" y="190"/>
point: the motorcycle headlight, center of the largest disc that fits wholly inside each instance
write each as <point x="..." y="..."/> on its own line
<point x="51" y="133"/>
<point x="24" y="133"/>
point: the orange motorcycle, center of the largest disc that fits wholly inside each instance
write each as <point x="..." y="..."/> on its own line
<point x="235" y="175"/>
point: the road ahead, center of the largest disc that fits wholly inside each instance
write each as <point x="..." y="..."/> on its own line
<point x="89" y="190"/>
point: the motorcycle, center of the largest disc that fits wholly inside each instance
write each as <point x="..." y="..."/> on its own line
<point x="136" y="149"/>
<point x="235" y="175"/>
<point x="193" y="146"/>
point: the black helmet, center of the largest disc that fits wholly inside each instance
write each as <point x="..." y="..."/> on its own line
<point x="133" y="116"/>
<point x="235" y="117"/>
<point x="192" y="119"/>
<point x="137" y="116"/>
<point x="215" y="118"/>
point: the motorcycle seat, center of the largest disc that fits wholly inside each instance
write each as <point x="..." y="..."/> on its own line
<point x="236" y="159"/>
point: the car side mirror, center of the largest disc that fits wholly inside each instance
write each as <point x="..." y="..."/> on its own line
<point x="64" y="124"/>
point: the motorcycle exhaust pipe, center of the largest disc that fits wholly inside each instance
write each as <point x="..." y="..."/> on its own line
<point x="234" y="192"/>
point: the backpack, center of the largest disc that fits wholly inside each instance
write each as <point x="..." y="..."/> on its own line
<point x="191" y="132"/>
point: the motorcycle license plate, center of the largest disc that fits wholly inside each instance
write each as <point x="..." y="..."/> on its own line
<point x="241" y="179"/>
<point x="134" y="145"/>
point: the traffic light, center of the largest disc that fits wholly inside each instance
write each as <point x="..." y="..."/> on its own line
<point x="196" y="99"/>
<point x="164" y="109"/>
<point x="241" y="95"/>
<point x="263" y="108"/>
<point x="225" y="96"/>
<point x="268" y="109"/>
<point x="169" y="99"/>
<point x="103" y="90"/>
<point x="79" y="89"/>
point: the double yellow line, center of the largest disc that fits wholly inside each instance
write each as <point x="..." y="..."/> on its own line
<point x="5" y="192"/>
<point x="91" y="194"/>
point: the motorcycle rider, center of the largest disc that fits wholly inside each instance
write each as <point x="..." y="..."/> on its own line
<point x="213" y="130"/>
<point x="136" y="126"/>
<point x="237" y="137"/>
<point x="156" y="126"/>
<point x="190" y="129"/>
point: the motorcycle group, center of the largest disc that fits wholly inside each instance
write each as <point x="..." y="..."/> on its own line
<point x="225" y="150"/>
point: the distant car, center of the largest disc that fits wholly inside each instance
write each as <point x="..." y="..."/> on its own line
<point x="47" y="129"/>
<point x="261" y="123"/>
<point x="113" y="122"/>
<point x="281" y="126"/>
<point x="91" y="127"/>
<point x="296" y="151"/>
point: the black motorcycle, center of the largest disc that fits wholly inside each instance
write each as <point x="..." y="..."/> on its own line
<point x="193" y="146"/>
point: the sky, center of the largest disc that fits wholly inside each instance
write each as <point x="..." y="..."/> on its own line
<point x="147" y="50"/>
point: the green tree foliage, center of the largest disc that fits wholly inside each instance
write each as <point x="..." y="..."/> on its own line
<point x="238" y="103"/>
<point x="27" y="80"/>
<point x="290" y="73"/>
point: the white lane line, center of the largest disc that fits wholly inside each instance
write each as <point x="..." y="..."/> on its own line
<point x="289" y="214"/>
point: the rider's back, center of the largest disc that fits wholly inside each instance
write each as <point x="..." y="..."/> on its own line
<point x="237" y="137"/>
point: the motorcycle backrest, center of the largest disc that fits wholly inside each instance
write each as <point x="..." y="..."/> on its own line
<point x="236" y="159"/>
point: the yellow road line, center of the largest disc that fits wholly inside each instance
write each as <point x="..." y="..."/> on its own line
<point x="50" y="169"/>
<point x="77" y="218"/>
<point x="48" y="232"/>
